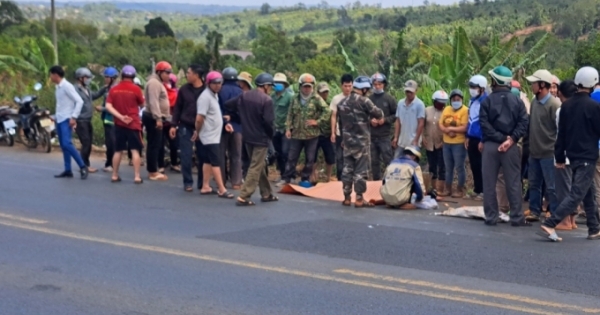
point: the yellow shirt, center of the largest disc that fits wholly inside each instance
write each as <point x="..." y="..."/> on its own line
<point x="455" y="118"/>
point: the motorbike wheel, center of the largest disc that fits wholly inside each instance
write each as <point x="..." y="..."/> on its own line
<point x="45" y="140"/>
<point x="10" y="140"/>
<point x="30" y="142"/>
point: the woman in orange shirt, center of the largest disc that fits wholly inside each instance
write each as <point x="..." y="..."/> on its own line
<point x="453" y="124"/>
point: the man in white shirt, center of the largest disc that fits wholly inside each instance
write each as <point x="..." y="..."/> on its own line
<point x="68" y="108"/>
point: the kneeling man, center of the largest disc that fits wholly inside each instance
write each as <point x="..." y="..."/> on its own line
<point x="403" y="177"/>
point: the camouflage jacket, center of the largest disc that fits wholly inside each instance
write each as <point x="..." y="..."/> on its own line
<point x="315" y="108"/>
<point x="354" y="115"/>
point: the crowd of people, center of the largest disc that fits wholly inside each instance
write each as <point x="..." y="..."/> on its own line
<point x="238" y="125"/>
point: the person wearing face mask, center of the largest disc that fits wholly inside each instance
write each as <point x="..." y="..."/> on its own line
<point x="281" y="102"/>
<point x="84" y="129"/>
<point x="504" y="122"/>
<point x="477" y="86"/>
<point x="454" y="126"/>
<point x="542" y="137"/>
<point x="381" y="130"/>
<point x="433" y="143"/>
<point x="307" y="112"/>
<point x="354" y="114"/>
<point x="110" y="79"/>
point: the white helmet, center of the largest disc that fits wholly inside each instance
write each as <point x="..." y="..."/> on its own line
<point x="440" y="96"/>
<point x="478" y="81"/>
<point x="586" y="77"/>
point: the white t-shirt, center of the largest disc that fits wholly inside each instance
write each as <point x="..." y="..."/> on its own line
<point x="409" y="120"/>
<point x="333" y="106"/>
<point x="557" y="119"/>
<point x="208" y="106"/>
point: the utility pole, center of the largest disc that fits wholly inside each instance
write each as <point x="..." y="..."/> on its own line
<point x="54" y="36"/>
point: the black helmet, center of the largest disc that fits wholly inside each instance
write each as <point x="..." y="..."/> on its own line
<point x="456" y="92"/>
<point x="362" y="82"/>
<point x="264" y="79"/>
<point x="230" y="74"/>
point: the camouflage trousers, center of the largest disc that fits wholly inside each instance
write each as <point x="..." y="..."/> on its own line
<point x="356" y="171"/>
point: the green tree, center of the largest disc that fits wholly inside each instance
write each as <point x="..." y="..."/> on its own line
<point x="272" y="50"/>
<point x="324" y="67"/>
<point x="265" y="9"/>
<point x="10" y="14"/>
<point x="158" y="27"/>
<point x="304" y="47"/>
<point x="214" y="40"/>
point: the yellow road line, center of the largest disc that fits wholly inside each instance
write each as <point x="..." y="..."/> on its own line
<point x="282" y="270"/>
<point x="457" y="289"/>
<point x="28" y="220"/>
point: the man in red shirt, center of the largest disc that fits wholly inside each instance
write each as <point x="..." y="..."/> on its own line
<point x="124" y="102"/>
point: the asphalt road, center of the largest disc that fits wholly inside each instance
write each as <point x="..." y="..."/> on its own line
<point x="92" y="247"/>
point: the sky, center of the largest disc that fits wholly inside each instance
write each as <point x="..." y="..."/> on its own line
<point x="385" y="3"/>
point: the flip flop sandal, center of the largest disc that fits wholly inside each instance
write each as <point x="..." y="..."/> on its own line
<point x="347" y="203"/>
<point x="138" y="182"/>
<point x="363" y="204"/>
<point x="118" y="179"/>
<point x="226" y="195"/>
<point x="212" y="192"/>
<point x="552" y="237"/>
<point x="188" y="189"/>
<point x="271" y="198"/>
<point x="244" y="203"/>
<point x="160" y="177"/>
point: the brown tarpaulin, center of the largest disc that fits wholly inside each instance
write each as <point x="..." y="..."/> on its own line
<point x="333" y="191"/>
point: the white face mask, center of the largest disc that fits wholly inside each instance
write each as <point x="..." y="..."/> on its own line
<point x="474" y="92"/>
<point x="456" y="105"/>
<point x="87" y="81"/>
<point x="376" y="91"/>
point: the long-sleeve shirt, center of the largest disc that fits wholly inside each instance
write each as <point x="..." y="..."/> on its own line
<point x="229" y="91"/>
<point x="503" y="114"/>
<point x="388" y="105"/>
<point x="257" y="115"/>
<point x="157" y="100"/>
<point x="68" y="101"/>
<point x="542" y="127"/>
<point x="88" y="97"/>
<point x="185" y="109"/>
<point x="314" y="108"/>
<point x="578" y="130"/>
<point x="107" y="118"/>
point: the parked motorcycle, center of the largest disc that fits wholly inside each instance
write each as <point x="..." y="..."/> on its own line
<point x="8" y="126"/>
<point x="35" y="124"/>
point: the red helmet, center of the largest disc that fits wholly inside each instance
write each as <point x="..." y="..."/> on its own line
<point x="163" y="66"/>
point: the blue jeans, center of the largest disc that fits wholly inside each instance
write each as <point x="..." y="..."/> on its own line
<point x="540" y="171"/>
<point x="186" y="148"/>
<point x="64" y="131"/>
<point x="454" y="158"/>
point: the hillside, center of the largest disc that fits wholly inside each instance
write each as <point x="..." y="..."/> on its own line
<point x="430" y="23"/>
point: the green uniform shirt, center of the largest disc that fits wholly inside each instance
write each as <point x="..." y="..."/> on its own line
<point x="315" y="108"/>
<point x="281" y="103"/>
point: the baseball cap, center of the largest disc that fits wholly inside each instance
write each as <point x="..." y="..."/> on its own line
<point x="411" y="86"/>
<point x="540" y="75"/>
<point x="323" y="87"/>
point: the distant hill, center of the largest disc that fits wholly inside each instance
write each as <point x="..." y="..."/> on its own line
<point x="187" y="8"/>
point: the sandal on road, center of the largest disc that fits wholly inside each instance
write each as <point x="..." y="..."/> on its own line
<point x="115" y="180"/>
<point x="270" y="198"/>
<point x="347" y="203"/>
<point x="363" y="204"/>
<point x="226" y="195"/>
<point x="159" y="177"/>
<point x="138" y="181"/>
<point x="211" y="192"/>
<point x="244" y="202"/>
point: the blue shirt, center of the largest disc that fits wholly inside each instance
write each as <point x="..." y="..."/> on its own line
<point x="596" y="97"/>
<point x="473" y="126"/>
<point x="68" y="101"/>
<point x="229" y="90"/>
<point x="545" y="99"/>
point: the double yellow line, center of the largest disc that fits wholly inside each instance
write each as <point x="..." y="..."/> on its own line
<point x="344" y="276"/>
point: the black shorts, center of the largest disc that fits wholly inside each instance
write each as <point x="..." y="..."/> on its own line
<point x="328" y="149"/>
<point x="209" y="153"/>
<point x="128" y="139"/>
